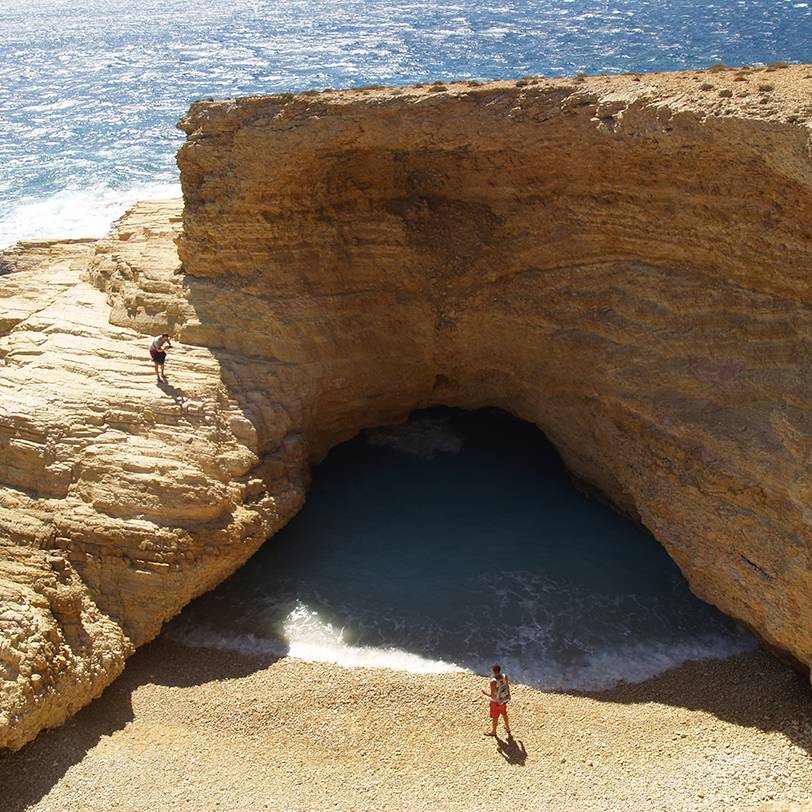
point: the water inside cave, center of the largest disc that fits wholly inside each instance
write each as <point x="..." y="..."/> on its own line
<point x="453" y="541"/>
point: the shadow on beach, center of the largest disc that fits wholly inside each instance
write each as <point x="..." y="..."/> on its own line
<point x="753" y="690"/>
<point x="29" y="774"/>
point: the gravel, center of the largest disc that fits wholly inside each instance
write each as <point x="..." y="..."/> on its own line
<point x="195" y="729"/>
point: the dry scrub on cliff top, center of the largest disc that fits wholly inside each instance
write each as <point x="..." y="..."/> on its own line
<point x="622" y="261"/>
<point x="741" y="91"/>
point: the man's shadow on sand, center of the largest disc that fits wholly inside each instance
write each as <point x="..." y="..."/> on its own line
<point x="512" y="750"/>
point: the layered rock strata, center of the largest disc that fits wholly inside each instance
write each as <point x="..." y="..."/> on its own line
<point x="622" y="261"/>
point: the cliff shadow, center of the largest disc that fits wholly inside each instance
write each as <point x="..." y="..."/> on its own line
<point x="754" y="690"/>
<point x="176" y="665"/>
<point x="28" y="775"/>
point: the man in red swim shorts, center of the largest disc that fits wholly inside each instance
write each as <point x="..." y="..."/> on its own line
<point x="499" y="695"/>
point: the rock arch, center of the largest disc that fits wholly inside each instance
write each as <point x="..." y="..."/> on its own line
<point x="623" y="267"/>
<point x="623" y="262"/>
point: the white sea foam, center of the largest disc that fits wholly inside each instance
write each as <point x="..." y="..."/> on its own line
<point x="307" y="637"/>
<point x="606" y="668"/>
<point x="570" y="639"/>
<point x="72" y="213"/>
<point x="420" y="437"/>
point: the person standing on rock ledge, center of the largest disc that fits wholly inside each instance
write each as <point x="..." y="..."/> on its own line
<point x="499" y="694"/>
<point x="157" y="352"/>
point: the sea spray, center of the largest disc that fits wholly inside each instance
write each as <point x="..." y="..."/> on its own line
<point x="76" y="212"/>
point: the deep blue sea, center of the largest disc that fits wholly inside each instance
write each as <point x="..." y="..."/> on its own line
<point x="90" y="91"/>
<point x="452" y="541"/>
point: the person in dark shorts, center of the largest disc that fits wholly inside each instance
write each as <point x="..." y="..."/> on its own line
<point x="499" y="694"/>
<point x="157" y="351"/>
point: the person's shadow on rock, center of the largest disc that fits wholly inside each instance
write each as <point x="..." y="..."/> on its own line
<point x="174" y="392"/>
<point x="512" y="751"/>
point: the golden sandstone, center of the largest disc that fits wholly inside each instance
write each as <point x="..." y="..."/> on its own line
<point x="625" y="262"/>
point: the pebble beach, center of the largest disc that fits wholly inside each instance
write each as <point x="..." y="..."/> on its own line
<point x="199" y="729"/>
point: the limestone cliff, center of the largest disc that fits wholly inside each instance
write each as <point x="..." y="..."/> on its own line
<point x="622" y="261"/>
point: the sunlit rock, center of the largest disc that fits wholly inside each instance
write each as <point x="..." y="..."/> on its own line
<point x="622" y="261"/>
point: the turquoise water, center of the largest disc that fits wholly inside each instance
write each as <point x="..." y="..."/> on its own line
<point x="453" y="541"/>
<point x="90" y="91"/>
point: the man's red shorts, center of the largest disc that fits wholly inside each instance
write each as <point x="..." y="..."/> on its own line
<point x="498" y="710"/>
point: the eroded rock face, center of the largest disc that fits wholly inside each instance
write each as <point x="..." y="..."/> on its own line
<point x="120" y="501"/>
<point x="624" y="263"/>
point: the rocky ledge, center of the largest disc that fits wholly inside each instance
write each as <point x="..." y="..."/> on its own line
<point x="622" y="261"/>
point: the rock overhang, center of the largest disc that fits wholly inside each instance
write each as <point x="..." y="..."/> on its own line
<point x="623" y="263"/>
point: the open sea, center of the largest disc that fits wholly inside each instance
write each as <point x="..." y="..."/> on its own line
<point x="90" y="91"/>
<point x="456" y="539"/>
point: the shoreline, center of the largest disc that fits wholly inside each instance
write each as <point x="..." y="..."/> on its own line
<point x="201" y="729"/>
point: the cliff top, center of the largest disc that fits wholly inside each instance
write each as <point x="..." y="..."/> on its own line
<point x="777" y="92"/>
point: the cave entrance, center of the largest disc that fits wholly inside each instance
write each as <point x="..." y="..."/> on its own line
<point x="454" y="540"/>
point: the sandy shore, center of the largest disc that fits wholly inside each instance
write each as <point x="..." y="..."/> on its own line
<point x="193" y="729"/>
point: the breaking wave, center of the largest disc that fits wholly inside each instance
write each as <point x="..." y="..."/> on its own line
<point x="74" y="213"/>
<point x="307" y="637"/>
<point x="452" y="541"/>
<point x="548" y="637"/>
